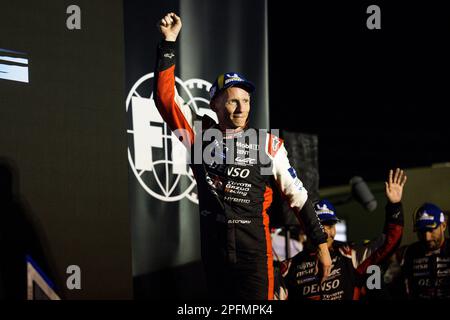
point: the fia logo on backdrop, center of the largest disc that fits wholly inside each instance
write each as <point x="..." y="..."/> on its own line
<point x="156" y="157"/>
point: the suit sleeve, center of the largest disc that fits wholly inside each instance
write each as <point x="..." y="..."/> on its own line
<point x="175" y="112"/>
<point x="294" y="191"/>
<point x="392" y="234"/>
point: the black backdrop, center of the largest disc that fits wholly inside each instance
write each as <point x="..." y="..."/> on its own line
<point x="377" y="98"/>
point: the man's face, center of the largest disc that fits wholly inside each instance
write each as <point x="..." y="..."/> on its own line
<point x="330" y="230"/>
<point x="232" y="107"/>
<point x="434" y="238"/>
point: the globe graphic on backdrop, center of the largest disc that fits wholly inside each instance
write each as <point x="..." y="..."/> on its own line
<point x="167" y="176"/>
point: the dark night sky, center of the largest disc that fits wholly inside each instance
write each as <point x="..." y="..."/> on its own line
<point x="377" y="98"/>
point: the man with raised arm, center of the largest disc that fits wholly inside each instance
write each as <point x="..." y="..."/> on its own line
<point x="233" y="175"/>
<point x="350" y="263"/>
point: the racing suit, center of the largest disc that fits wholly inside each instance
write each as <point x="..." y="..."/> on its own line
<point x="349" y="264"/>
<point x="233" y="196"/>
<point x="426" y="274"/>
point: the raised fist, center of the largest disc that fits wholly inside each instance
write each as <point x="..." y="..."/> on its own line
<point x="170" y="26"/>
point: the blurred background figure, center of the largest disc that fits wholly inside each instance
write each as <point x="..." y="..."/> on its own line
<point x="426" y="263"/>
<point x="350" y="263"/>
<point x="15" y="236"/>
<point x="19" y="236"/>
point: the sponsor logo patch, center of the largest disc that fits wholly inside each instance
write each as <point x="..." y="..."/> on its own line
<point x="292" y="172"/>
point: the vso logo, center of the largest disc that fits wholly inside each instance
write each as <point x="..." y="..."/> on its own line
<point x="158" y="159"/>
<point x="238" y="172"/>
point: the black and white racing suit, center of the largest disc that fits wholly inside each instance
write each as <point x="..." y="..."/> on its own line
<point x="233" y="196"/>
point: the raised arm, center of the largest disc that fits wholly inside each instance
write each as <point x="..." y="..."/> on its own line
<point x="393" y="227"/>
<point x="175" y="112"/>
